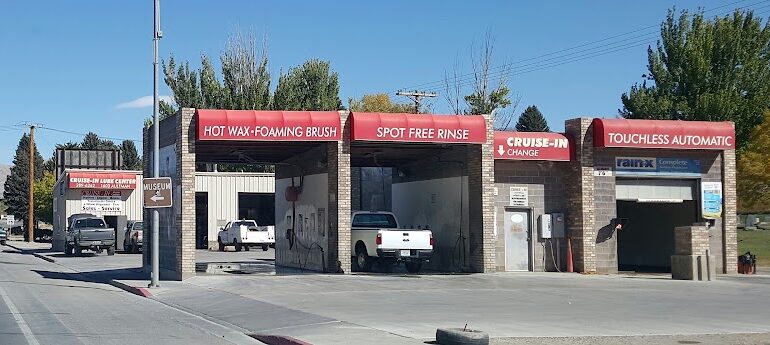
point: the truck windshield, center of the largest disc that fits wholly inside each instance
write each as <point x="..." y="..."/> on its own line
<point x="374" y="220"/>
<point x="138" y="226"/>
<point x="89" y="223"/>
<point x="245" y="223"/>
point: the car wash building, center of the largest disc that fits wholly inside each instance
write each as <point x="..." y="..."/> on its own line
<point x="111" y="194"/>
<point x="495" y="201"/>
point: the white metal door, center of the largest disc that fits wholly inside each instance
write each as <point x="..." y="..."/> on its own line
<point x="516" y="227"/>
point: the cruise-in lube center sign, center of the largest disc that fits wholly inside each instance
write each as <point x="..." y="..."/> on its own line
<point x="252" y="125"/>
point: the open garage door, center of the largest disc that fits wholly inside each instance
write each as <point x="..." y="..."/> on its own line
<point x="652" y="209"/>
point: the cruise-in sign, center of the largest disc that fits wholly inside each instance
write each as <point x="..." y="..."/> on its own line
<point x="157" y="192"/>
<point x="532" y="146"/>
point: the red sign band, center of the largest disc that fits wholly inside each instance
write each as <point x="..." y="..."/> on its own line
<point x="469" y="129"/>
<point x="664" y="134"/>
<point x="258" y="125"/>
<point x="88" y="180"/>
<point x="542" y="146"/>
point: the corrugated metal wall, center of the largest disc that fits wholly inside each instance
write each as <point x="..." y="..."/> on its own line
<point x="223" y="189"/>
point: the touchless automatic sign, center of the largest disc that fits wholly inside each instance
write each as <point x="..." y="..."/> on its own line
<point x="531" y="146"/>
<point x="664" y="134"/>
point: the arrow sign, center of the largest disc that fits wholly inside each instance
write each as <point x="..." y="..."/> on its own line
<point x="157" y="192"/>
<point x="157" y="197"/>
<point x="500" y="150"/>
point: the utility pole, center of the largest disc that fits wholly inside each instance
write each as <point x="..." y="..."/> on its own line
<point x="31" y="211"/>
<point x="156" y="35"/>
<point x="416" y="97"/>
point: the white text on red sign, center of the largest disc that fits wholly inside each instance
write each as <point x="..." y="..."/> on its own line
<point x="666" y="139"/>
<point x="422" y="133"/>
<point x="270" y="132"/>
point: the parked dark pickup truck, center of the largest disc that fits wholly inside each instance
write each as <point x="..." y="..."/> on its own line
<point x="87" y="231"/>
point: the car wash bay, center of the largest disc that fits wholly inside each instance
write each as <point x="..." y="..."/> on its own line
<point x="423" y="164"/>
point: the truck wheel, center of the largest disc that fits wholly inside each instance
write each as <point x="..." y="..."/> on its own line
<point x="413" y="267"/>
<point x="247" y="248"/>
<point x="68" y="250"/>
<point x="221" y="245"/>
<point x="2" y="242"/>
<point x="111" y="250"/>
<point x="78" y="251"/>
<point x="460" y="336"/>
<point x="237" y="246"/>
<point x="264" y="247"/>
<point x="363" y="262"/>
<point x="134" y="248"/>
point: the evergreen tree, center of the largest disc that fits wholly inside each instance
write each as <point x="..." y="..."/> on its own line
<point x="16" y="195"/>
<point x="131" y="159"/>
<point x="531" y="120"/>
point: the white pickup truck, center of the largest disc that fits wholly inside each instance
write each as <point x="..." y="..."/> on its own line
<point x="375" y="236"/>
<point x="246" y="234"/>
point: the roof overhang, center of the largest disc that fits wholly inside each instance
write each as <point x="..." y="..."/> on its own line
<point x="664" y="134"/>
<point x="418" y="128"/>
<point x="267" y="125"/>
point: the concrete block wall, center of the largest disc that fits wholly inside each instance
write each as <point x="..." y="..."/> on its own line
<point x="580" y="193"/>
<point x="545" y="183"/>
<point x="606" y="204"/>
<point x="691" y="240"/>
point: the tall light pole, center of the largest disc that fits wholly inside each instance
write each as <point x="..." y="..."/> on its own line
<point x="156" y="35"/>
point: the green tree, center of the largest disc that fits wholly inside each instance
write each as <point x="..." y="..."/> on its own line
<point x="754" y="182"/>
<point x="378" y="103"/>
<point x="92" y="142"/>
<point x="16" y="195"/>
<point x="245" y="82"/>
<point x="312" y="86"/>
<point x="44" y="197"/>
<point x="711" y="70"/>
<point x="532" y="120"/>
<point x="131" y="158"/>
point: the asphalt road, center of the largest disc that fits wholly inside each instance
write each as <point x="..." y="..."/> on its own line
<point x="46" y="303"/>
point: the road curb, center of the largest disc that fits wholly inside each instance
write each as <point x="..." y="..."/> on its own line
<point x="278" y="339"/>
<point x="132" y="289"/>
<point x="28" y="251"/>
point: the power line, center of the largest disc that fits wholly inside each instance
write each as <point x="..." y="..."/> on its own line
<point x="503" y="69"/>
<point x="84" y="134"/>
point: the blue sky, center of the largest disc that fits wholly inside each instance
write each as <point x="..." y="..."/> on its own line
<point x="85" y="65"/>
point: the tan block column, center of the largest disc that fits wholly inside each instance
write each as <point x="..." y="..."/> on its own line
<point x="730" y="223"/>
<point x="580" y="190"/>
<point x="185" y="146"/>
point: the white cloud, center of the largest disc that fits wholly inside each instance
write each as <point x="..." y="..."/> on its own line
<point x="143" y="102"/>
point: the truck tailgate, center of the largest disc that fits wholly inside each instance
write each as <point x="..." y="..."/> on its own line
<point x="97" y="234"/>
<point x="405" y="239"/>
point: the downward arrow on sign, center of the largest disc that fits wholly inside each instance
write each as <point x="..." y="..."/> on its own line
<point x="500" y="150"/>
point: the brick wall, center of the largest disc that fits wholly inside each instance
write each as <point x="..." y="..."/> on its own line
<point x="340" y="207"/>
<point x="480" y="165"/>
<point x="185" y="167"/>
<point x="580" y="196"/>
<point x="730" y="221"/>
<point x="545" y="184"/>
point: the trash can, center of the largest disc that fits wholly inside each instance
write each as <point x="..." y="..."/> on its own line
<point x="747" y="263"/>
